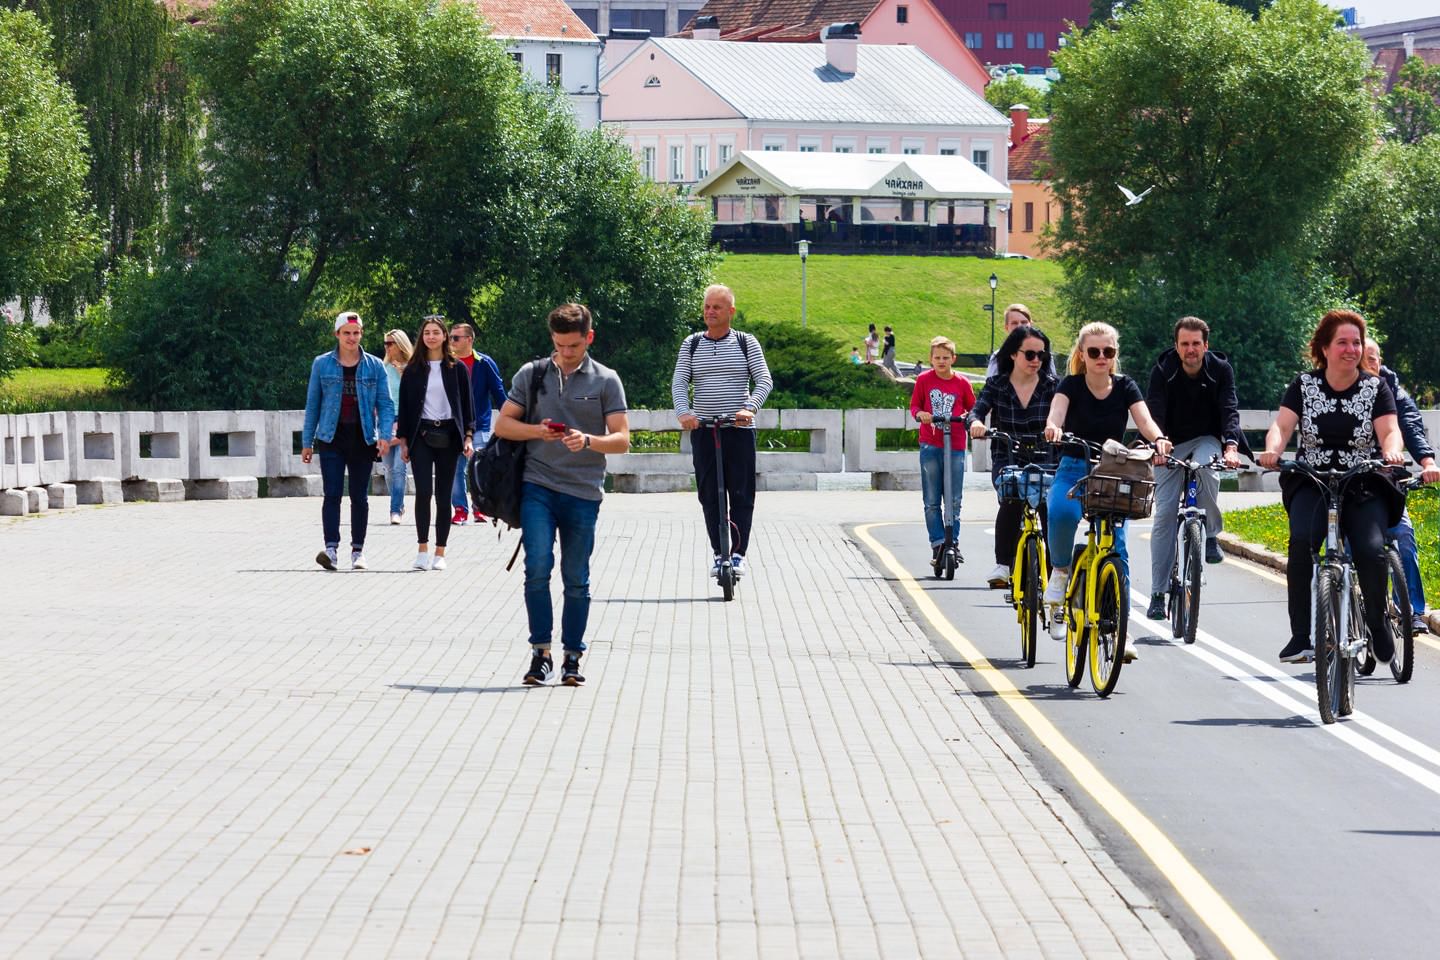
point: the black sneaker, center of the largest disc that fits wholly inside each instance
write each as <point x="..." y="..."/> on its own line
<point x="1419" y="626"/>
<point x="541" y="666"/>
<point x="1213" y="553"/>
<point x="570" y="671"/>
<point x="1156" y="610"/>
<point x="1297" y="651"/>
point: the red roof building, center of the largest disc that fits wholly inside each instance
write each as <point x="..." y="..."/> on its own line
<point x="1032" y="205"/>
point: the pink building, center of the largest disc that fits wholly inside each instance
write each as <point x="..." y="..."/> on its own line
<point x="916" y="23"/>
<point x="687" y="106"/>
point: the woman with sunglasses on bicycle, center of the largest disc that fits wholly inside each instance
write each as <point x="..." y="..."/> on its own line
<point x="436" y="425"/>
<point x="1017" y="400"/>
<point x="1345" y="416"/>
<point x="1093" y="403"/>
<point x="397" y="354"/>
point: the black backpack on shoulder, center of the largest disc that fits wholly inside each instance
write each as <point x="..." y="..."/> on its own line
<point x="498" y="470"/>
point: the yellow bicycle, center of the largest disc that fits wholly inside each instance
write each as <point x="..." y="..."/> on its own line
<point x="1029" y="485"/>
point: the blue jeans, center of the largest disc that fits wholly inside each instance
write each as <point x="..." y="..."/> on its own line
<point x="1404" y="534"/>
<point x="396" y="471"/>
<point x="543" y="513"/>
<point x="333" y="468"/>
<point x="932" y="490"/>
<point x="1065" y="516"/>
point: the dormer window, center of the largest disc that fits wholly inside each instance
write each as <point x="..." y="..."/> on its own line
<point x="652" y="81"/>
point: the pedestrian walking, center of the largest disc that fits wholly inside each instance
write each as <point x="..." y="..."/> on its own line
<point x="872" y="345"/>
<point x="941" y="392"/>
<point x="579" y="416"/>
<point x="721" y="372"/>
<point x="887" y="359"/>
<point x="436" y="428"/>
<point x="397" y="353"/>
<point x="487" y="392"/>
<point x="347" y="406"/>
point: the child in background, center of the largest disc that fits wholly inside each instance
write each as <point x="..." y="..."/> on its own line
<point x="940" y="391"/>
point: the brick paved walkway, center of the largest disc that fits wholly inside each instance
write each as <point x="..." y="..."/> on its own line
<point x="214" y="748"/>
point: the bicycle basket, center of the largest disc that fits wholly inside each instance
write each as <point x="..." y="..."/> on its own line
<point x="1121" y="484"/>
<point x="1017" y="484"/>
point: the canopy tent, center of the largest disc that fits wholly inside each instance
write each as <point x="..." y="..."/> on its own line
<point x="764" y="199"/>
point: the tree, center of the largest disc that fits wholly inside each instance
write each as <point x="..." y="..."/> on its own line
<point x="45" y="228"/>
<point x="1379" y="239"/>
<point x="118" y="56"/>
<point x="1244" y="128"/>
<point x="1411" y="110"/>
<point x="1006" y="92"/>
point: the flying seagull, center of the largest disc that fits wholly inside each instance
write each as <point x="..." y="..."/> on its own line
<point x="1132" y="198"/>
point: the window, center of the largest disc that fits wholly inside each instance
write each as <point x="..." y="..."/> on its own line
<point x="981" y="159"/>
<point x="947" y="151"/>
<point x="902" y="14"/>
<point x="552" y="69"/>
<point x="807" y="144"/>
<point x="652" y="81"/>
<point x="809" y="147"/>
<point x="725" y="149"/>
<point x="519" y="60"/>
<point x="685" y="16"/>
<point x="1035" y="41"/>
<point x="877" y="145"/>
<point x="846" y="145"/>
<point x="911" y="148"/>
<point x="1004" y="41"/>
<point x="677" y="162"/>
<point x="874" y="149"/>
<point x="845" y="149"/>
<point x="730" y="209"/>
<point x="975" y="41"/>
<point x="647" y="162"/>
<point x="1029" y="217"/>
<point x="772" y="147"/>
<point x="627" y="19"/>
<point x="997" y="11"/>
<point x="589" y="17"/>
<point x="702" y="161"/>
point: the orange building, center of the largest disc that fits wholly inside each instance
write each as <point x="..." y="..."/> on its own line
<point x="1033" y="206"/>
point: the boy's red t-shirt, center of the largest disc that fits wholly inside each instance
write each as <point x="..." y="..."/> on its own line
<point x="935" y="395"/>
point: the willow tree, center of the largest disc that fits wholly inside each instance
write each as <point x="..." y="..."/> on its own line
<point x="119" y="58"/>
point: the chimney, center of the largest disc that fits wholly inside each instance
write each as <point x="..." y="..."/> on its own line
<point x="706" y="28"/>
<point x="1019" y="123"/>
<point x="842" y="42"/>
<point x="1409" y="39"/>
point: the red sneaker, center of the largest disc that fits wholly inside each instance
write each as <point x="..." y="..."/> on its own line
<point x="460" y="517"/>
<point x="479" y="518"/>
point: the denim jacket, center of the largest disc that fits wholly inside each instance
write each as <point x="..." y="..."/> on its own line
<point x="322" y="399"/>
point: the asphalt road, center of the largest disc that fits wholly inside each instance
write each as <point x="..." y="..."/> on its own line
<point x="1325" y="840"/>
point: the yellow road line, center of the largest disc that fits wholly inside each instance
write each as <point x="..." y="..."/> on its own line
<point x="1211" y="908"/>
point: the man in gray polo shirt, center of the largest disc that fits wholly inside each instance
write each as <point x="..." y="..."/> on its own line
<point x="579" y="416"/>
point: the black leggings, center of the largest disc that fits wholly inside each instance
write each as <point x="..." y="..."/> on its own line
<point x="434" y="484"/>
<point x="1363" y="525"/>
<point x="1007" y="529"/>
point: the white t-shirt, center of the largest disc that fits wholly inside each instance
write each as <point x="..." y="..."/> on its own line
<point x="437" y="405"/>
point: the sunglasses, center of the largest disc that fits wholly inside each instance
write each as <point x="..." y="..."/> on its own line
<point x="1035" y="354"/>
<point x="389" y="343"/>
<point x="457" y="337"/>
<point x="1095" y="353"/>
<point x="434" y="316"/>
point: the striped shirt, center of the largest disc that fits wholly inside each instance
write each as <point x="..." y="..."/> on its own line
<point x="721" y="374"/>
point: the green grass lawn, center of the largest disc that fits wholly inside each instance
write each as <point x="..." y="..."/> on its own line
<point x="1268" y="527"/>
<point x="34" y="390"/>
<point x="920" y="297"/>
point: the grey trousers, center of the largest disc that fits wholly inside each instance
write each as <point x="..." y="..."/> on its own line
<point x="1169" y="489"/>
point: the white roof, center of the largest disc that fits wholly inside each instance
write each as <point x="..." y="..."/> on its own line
<point x="925" y="176"/>
<point x="793" y="81"/>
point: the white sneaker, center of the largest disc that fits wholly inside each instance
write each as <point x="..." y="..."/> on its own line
<point x="438" y="563"/>
<point x="328" y="558"/>
<point x="999" y="577"/>
<point x="714" y="570"/>
<point x="737" y="563"/>
<point x="422" y="561"/>
<point x="395" y="519"/>
<point x="1057" y="623"/>
<point x="1055" y="589"/>
<point x="357" y="560"/>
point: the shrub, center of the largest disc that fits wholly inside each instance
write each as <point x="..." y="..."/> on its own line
<point x="808" y="373"/>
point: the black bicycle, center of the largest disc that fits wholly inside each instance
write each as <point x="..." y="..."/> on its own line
<point x="1187" y="570"/>
<point x="725" y="573"/>
<point x="1399" y="617"/>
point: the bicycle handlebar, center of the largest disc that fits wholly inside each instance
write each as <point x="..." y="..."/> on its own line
<point x="729" y="421"/>
<point x="1214" y="463"/>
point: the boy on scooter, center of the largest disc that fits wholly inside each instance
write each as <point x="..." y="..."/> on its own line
<point x="941" y="392"/>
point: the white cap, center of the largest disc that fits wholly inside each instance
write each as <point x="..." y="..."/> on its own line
<point x="348" y="317"/>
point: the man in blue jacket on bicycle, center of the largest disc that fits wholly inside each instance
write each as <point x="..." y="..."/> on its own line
<point x="1192" y="398"/>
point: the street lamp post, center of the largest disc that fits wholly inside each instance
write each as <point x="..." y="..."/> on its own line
<point x="994" y="282"/>
<point x="804" y="246"/>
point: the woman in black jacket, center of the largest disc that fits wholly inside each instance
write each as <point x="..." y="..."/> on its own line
<point x="435" y="425"/>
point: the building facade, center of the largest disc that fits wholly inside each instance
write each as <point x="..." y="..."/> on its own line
<point x="551" y="45"/>
<point x="660" y="17"/>
<point x="1033" y="206"/>
<point x="1014" y="31"/>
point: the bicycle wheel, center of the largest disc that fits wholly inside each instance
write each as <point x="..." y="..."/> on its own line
<point x="1107" y="646"/>
<point x="1190" y="582"/>
<point x="1031" y="587"/>
<point x="1357" y="631"/>
<point x="1398" y="616"/>
<point x="1077" y="632"/>
<point x="1327" y="644"/>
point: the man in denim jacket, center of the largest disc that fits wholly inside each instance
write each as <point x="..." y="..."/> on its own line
<point x="347" y="401"/>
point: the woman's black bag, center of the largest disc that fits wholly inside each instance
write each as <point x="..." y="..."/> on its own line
<point x="498" y="470"/>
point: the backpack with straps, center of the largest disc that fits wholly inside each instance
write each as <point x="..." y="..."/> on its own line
<point x="497" y="472"/>
<point x="744" y="339"/>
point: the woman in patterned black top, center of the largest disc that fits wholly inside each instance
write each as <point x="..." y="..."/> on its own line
<point x="1345" y="416"/>
<point x="1017" y="400"/>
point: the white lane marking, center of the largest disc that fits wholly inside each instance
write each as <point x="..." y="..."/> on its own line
<point x="1268" y="683"/>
